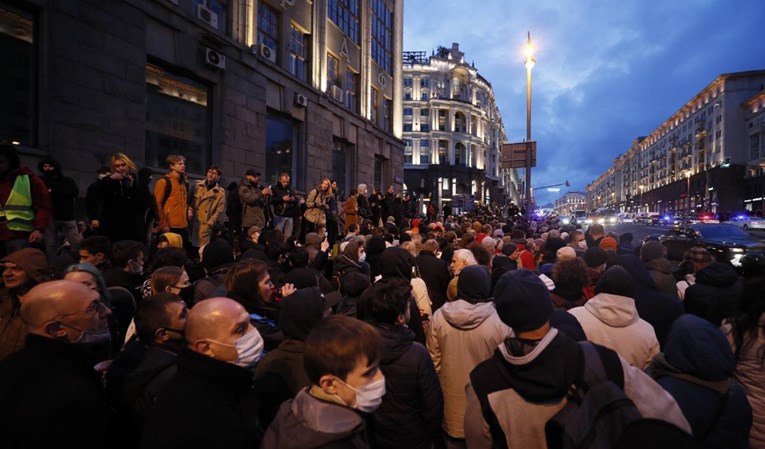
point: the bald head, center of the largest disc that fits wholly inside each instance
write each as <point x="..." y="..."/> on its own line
<point x="49" y="300"/>
<point x="212" y="318"/>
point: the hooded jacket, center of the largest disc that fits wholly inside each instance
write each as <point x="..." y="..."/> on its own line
<point x="411" y="413"/>
<point x="63" y="190"/>
<point x="524" y="392"/>
<point x="657" y="308"/>
<point x="714" y="404"/>
<point x="715" y="294"/>
<point x="661" y="271"/>
<point x="613" y="321"/>
<point x="462" y="335"/>
<point x="308" y="422"/>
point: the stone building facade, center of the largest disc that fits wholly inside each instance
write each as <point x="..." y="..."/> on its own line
<point x="310" y="88"/>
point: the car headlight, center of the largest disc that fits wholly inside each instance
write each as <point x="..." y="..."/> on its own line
<point x="612" y="220"/>
<point x="601" y="221"/>
<point x="737" y="250"/>
<point x="566" y="221"/>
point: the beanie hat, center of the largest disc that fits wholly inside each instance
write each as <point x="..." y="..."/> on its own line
<point x="609" y="243"/>
<point x="217" y="253"/>
<point x="313" y="239"/>
<point x="522" y="300"/>
<point x="594" y="257"/>
<point x="33" y="262"/>
<point x="474" y="284"/>
<point x="616" y="281"/>
<point x="651" y="250"/>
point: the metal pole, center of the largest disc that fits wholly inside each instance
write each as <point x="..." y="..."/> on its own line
<point x="528" y="139"/>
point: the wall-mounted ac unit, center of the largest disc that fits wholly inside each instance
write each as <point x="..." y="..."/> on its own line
<point x="337" y="93"/>
<point x="301" y="100"/>
<point x="215" y="59"/>
<point x="268" y="52"/>
<point x="207" y="16"/>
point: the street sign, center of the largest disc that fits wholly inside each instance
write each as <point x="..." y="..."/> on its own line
<point x="514" y="154"/>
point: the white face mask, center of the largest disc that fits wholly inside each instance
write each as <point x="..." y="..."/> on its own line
<point x="362" y="257"/>
<point x="249" y="348"/>
<point x="369" y="396"/>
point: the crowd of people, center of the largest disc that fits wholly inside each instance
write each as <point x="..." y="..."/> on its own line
<point x="323" y="320"/>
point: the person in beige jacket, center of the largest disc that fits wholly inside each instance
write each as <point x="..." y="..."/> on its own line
<point x="209" y="202"/>
<point x="611" y="319"/>
<point x="464" y="333"/>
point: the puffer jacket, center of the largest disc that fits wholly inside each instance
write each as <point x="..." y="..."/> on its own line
<point x="750" y="371"/>
<point x="410" y="415"/>
<point x="613" y="321"/>
<point x="715" y="294"/>
<point x="697" y="368"/>
<point x="462" y="335"/>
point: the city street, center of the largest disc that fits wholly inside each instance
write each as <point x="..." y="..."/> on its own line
<point x="641" y="231"/>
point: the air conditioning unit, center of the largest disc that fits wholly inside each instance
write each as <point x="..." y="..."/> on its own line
<point x="268" y="52"/>
<point x="215" y="59"/>
<point x="301" y="100"/>
<point x="207" y="16"/>
<point x="337" y="93"/>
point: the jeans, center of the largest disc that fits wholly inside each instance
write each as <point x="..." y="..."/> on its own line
<point x="68" y="230"/>
<point x="284" y="224"/>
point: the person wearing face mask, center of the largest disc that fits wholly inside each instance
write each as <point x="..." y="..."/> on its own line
<point x="342" y="357"/>
<point x="49" y="389"/>
<point x="211" y="401"/>
<point x="173" y="280"/>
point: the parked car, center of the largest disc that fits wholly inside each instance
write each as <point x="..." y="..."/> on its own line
<point x="747" y="222"/>
<point x="703" y="217"/>
<point x="726" y="243"/>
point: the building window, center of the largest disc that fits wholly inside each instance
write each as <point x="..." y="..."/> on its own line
<point x="298" y="52"/>
<point x="424" y="112"/>
<point x="281" y="148"/>
<point x="375" y="104"/>
<point x="379" y="181"/>
<point x="443" y="151"/>
<point x="342" y="160"/>
<point x="352" y="90"/>
<point x="407" y="82"/>
<point x="425" y="127"/>
<point x="425" y="83"/>
<point x="424" y="143"/>
<point x="388" y="114"/>
<point x="407" y="142"/>
<point x="382" y="34"/>
<point x="177" y="119"/>
<point x="408" y="155"/>
<point x="424" y="96"/>
<point x="407" y="96"/>
<point x="333" y="71"/>
<point x="425" y="156"/>
<point x="407" y="111"/>
<point x="345" y="14"/>
<point x="268" y="26"/>
<point x="407" y="127"/>
<point x="754" y="146"/>
<point x="18" y="78"/>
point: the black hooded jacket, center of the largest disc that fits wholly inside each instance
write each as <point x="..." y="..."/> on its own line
<point x="411" y="412"/>
<point x="63" y="190"/>
<point x="715" y="294"/>
<point x="659" y="309"/>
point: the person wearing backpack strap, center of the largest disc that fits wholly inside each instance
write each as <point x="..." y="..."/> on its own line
<point x="697" y="368"/>
<point x="512" y="395"/>
<point x="173" y="211"/>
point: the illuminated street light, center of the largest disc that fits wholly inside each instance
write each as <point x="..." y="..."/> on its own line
<point x="530" y="61"/>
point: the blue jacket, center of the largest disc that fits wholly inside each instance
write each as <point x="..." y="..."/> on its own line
<point x="696" y="348"/>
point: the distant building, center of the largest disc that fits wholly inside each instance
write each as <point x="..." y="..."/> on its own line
<point x="308" y="88"/>
<point x="754" y="185"/>
<point x="452" y="131"/>
<point x="695" y="160"/>
<point x="569" y="203"/>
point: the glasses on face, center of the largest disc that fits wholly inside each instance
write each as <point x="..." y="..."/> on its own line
<point x="93" y="307"/>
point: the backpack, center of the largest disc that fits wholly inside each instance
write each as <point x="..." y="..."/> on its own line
<point x="597" y="410"/>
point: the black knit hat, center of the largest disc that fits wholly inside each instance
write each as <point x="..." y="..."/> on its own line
<point x="474" y="284"/>
<point x="522" y="300"/>
<point x="616" y="281"/>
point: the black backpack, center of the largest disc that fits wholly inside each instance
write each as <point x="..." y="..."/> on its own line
<point x="597" y="411"/>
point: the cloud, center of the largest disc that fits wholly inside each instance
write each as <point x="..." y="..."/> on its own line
<point x="606" y="73"/>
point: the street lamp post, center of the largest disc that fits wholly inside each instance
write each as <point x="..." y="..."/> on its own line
<point x="530" y="61"/>
<point x="688" y="189"/>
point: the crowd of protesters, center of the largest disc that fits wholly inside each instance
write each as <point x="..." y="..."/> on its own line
<point x="183" y="313"/>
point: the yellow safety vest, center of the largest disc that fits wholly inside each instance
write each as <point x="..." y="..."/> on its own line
<point x="17" y="211"/>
